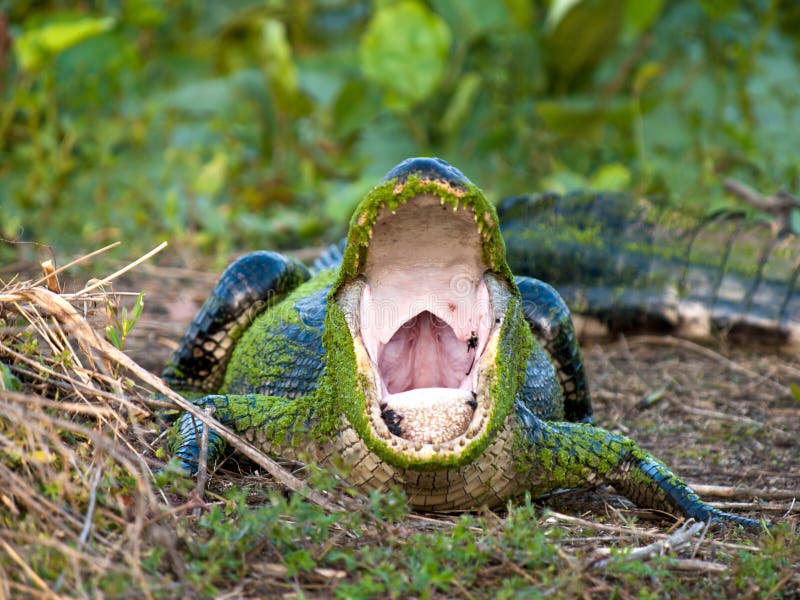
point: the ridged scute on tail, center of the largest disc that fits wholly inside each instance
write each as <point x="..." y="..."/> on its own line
<point x="633" y="264"/>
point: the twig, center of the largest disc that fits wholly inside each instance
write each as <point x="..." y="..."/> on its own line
<point x="700" y="539"/>
<point x="791" y="508"/>
<point x="87" y="525"/>
<point x="76" y="408"/>
<point x="77" y="385"/>
<point x="724" y="491"/>
<point x="630" y="530"/>
<point x="695" y="564"/>
<point x="38" y="581"/>
<point x="779" y="205"/>
<point x="723" y="416"/>
<point x="98" y="563"/>
<point x="625" y="530"/>
<point x="75" y="262"/>
<point x="674" y="542"/>
<point x="751" y="506"/>
<point x="49" y="270"/>
<point x="124" y="269"/>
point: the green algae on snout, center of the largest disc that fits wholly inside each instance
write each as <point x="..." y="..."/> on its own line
<point x="392" y="194"/>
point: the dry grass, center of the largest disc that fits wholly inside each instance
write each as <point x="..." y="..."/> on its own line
<point x="80" y="440"/>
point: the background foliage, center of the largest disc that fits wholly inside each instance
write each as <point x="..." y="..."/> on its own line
<point x="244" y="124"/>
<point x="225" y="126"/>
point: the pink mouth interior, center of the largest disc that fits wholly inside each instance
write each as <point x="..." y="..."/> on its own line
<point x="424" y="353"/>
<point x="425" y="318"/>
<point x="416" y="348"/>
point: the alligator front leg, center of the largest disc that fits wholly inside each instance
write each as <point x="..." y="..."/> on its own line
<point x="249" y="285"/>
<point x="269" y="422"/>
<point x="565" y="455"/>
<point x="550" y="321"/>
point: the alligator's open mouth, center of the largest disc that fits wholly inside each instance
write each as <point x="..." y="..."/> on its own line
<point x="425" y="312"/>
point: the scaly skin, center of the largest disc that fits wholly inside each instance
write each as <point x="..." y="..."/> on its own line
<point x="633" y="266"/>
<point x="299" y="381"/>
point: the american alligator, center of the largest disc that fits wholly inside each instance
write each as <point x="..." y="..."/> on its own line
<point x="412" y="356"/>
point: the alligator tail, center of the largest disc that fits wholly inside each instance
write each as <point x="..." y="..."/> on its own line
<point x="631" y="264"/>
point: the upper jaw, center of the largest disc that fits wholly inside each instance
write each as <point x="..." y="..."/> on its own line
<point x="423" y="256"/>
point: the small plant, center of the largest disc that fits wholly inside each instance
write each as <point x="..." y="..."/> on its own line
<point x="8" y="381"/>
<point x="123" y="322"/>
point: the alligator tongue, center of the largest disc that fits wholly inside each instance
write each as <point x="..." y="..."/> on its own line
<point x="461" y="313"/>
<point x="428" y="415"/>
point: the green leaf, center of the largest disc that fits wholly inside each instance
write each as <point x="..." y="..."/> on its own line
<point x="35" y="48"/>
<point x="212" y="176"/>
<point x="8" y="381"/>
<point x="277" y="55"/>
<point x="558" y="10"/>
<point x="614" y="177"/>
<point x="138" y="307"/>
<point x="795" y="389"/>
<point x="404" y="51"/>
<point x="461" y="103"/>
<point x="113" y="336"/>
<point x="639" y="16"/>
<point x="281" y="70"/>
<point x="578" y="35"/>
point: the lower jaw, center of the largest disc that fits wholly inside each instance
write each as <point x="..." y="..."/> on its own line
<point x="429" y="415"/>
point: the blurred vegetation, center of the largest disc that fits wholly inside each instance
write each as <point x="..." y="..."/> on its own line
<point x="242" y="124"/>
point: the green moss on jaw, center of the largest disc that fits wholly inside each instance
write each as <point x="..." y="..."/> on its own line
<point x="390" y="194"/>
